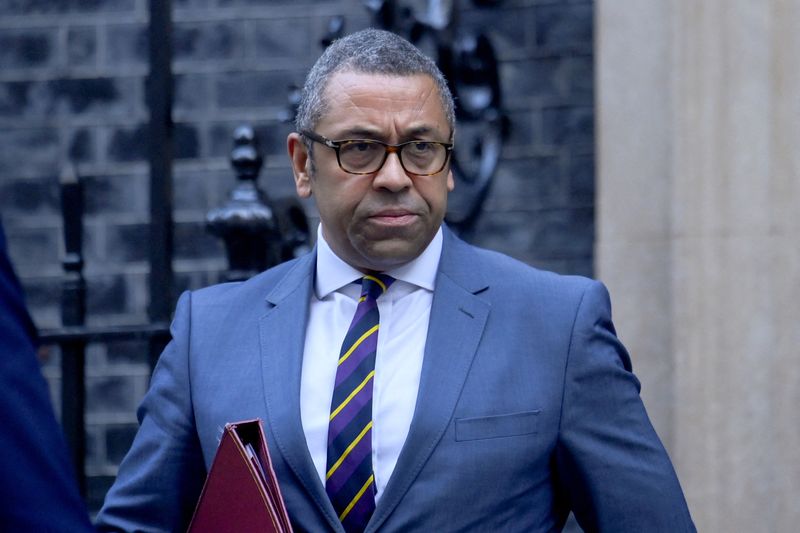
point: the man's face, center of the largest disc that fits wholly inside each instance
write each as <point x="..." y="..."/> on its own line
<point x="381" y="220"/>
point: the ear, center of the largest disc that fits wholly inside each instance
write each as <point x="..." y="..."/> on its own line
<point x="301" y="164"/>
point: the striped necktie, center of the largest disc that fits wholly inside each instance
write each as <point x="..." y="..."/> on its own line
<point x="349" y="479"/>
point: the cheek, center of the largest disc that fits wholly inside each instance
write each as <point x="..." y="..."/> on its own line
<point x="339" y="203"/>
<point x="435" y="194"/>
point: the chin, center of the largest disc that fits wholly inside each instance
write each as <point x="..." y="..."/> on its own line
<point x="386" y="258"/>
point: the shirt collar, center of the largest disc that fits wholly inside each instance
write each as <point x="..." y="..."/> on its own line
<point x="333" y="273"/>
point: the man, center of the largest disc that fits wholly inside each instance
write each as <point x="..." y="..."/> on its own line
<point x="37" y="484"/>
<point x="485" y="395"/>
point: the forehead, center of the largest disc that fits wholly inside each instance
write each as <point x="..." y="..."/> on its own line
<point x="385" y="103"/>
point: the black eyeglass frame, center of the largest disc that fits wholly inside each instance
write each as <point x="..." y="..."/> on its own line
<point x="388" y="149"/>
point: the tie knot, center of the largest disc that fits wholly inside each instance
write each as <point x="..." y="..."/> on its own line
<point x="373" y="285"/>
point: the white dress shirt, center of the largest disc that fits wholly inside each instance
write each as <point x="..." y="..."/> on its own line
<point x="404" y="315"/>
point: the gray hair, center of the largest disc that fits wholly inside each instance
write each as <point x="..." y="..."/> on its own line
<point x="368" y="51"/>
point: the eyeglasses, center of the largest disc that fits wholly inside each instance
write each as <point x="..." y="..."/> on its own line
<point x="367" y="156"/>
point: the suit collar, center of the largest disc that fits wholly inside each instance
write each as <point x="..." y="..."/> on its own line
<point x="299" y="275"/>
<point x="282" y="334"/>
<point x="459" y="262"/>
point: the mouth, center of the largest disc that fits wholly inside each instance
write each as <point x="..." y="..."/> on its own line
<point x="393" y="217"/>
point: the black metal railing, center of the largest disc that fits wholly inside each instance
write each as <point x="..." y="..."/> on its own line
<point x="74" y="335"/>
<point x="258" y="232"/>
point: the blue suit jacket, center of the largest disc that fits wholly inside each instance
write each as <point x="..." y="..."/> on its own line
<point x="37" y="484"/>
<point x="527" y="408"/>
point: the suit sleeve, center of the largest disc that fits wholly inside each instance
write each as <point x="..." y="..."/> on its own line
<point x="611" y="465"/>
<point x="38" y="491"/>
<point x="161" y="477"/>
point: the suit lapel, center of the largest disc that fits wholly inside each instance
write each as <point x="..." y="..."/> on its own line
<point x="282" y="334"/>
<point x="457" y="321"/>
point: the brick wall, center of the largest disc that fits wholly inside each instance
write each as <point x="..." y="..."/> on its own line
<point x="72" y="89"/>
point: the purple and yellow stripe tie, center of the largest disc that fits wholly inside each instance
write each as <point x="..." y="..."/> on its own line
<point x="349" y="479"/>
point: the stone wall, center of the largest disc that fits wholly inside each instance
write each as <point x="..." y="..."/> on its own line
<point x="72" y="89"/>
<point x="698" y="194"/>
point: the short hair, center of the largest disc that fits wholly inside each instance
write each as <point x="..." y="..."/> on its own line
<point x="367" y="51"/>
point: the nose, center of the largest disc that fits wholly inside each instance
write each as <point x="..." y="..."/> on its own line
<point x="392" y="176"/>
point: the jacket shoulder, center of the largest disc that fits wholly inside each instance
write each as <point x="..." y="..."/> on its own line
<point x="512" y="277"/>
<point x="254" y="289"/>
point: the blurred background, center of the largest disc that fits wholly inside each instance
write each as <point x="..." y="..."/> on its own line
<point x="649" y="144"/>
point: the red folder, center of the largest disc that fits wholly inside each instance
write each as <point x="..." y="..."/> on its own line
<point x="241" y="492"/>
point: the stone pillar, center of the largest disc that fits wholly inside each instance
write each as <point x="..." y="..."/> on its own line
<point x="699" y="240"/>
